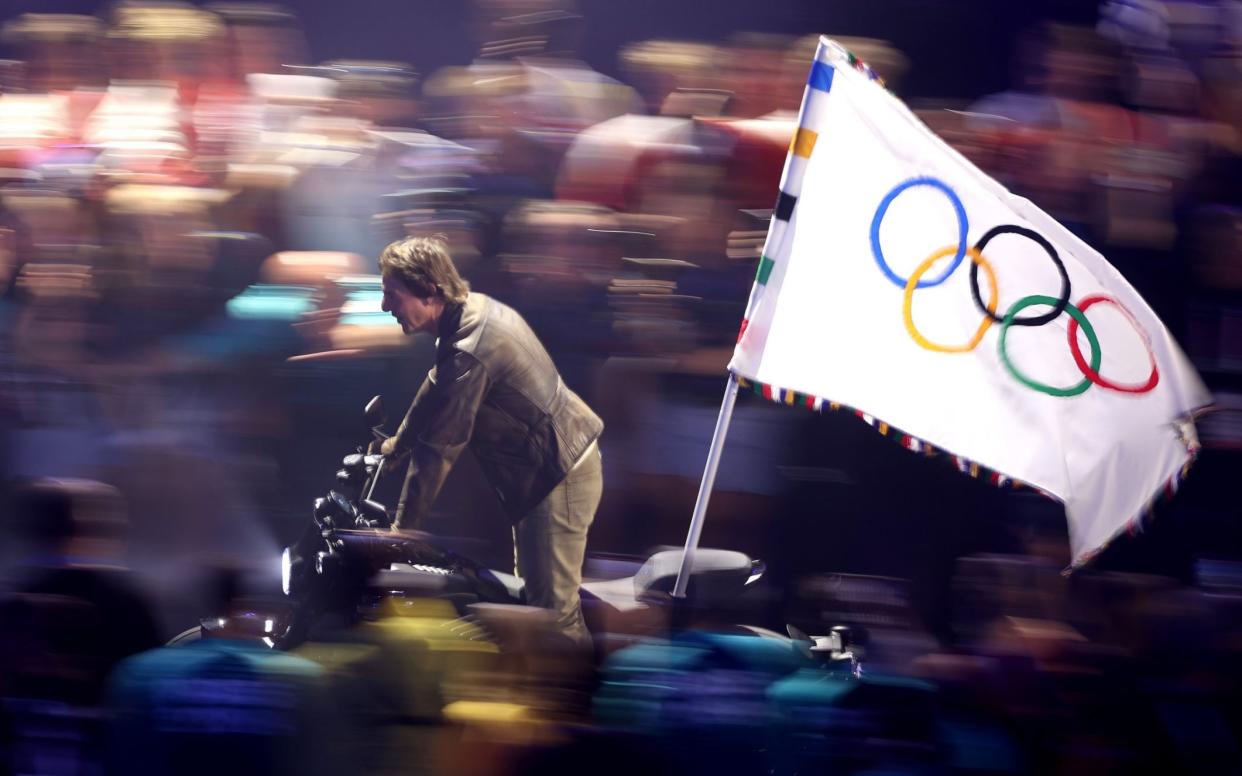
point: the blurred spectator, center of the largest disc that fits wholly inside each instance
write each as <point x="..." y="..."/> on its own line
<point x="142" y="134"/>
<point x="1066" y="87"/>
<point x="377" y="93"/>
<point x="260" y="38"/>
<point x="224" y="702"/>
<point x="524" y="100"/>
<point x="75" y="614"/>
<point x="166" y="252"/>
<point x="753" y="63"/>
<point x="361" y="166"/>
<point x="51" y="226"/>
<point x="173" y="42"/>
<point x="55" y="428"/>
<point x="59" y="52"/>
<point x="662" y="68"/>
<point x="31" y="124"/>
<point x="563" y="255"/>
<point x="77" y="533"/>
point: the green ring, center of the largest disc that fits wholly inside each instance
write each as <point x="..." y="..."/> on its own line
<point x="1077" y="315"/>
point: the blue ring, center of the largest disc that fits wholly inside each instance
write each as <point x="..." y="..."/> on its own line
<point x="962" y="228"/>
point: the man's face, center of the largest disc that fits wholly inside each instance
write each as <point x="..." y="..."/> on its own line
<point x="414" y="313"/>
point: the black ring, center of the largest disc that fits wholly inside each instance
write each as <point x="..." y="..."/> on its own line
<point x="1034" y="320"/>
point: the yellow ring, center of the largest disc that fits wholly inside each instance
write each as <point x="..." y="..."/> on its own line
<point x="908" y="304"/>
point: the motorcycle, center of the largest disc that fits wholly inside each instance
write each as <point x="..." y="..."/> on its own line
<point x="349" y="559"/>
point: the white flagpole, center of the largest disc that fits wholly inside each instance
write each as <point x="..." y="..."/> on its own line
<point x="705" y="486"/>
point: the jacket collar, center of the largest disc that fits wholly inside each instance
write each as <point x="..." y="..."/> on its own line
<point x="450" y="321"/>
<point x="455" y="323"/>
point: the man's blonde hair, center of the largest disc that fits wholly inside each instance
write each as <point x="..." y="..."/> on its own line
<point x="424" y="265"/>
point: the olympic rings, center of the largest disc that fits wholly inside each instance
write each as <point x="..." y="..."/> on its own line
<point x="1060" y="304"/>
<point x="1076" y="315"/>
<point x="1090" y="371"/>
<point x="1062" y="300"/>
<point x="908" y="305"/>
<point x="962" y="228"/>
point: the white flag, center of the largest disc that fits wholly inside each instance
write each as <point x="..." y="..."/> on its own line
<point x="902" y="282"/>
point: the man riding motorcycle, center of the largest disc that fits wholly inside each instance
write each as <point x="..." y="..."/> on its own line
<point x="495" y="389"/>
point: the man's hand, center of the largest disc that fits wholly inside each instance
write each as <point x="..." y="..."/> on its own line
<point x="393" y="459"/>
<point x="384" y="447"/>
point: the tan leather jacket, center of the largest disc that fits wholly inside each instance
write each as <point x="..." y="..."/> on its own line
<point x="495" y="389"/>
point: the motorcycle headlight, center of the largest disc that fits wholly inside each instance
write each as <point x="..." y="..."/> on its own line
<point x="286" y="570"/>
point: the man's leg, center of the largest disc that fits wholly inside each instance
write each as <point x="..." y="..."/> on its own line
<point x="550" y="545"/>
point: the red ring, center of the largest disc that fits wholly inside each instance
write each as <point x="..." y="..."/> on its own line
<point x="1093" y="375"/>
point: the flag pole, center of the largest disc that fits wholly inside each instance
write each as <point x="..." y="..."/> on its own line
<point x="705" y="486"/>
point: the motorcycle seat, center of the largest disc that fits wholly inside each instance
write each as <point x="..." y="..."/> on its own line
<point x="712" y="573"/>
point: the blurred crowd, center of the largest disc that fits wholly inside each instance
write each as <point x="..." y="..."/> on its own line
<point x="191" y="209"/>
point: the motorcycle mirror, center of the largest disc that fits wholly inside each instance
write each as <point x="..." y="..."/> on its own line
<point x="797" y="634"/>
<point x="374" y="412"/>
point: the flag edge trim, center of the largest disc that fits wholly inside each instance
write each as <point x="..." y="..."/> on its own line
<point x="1136" y="524"/>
